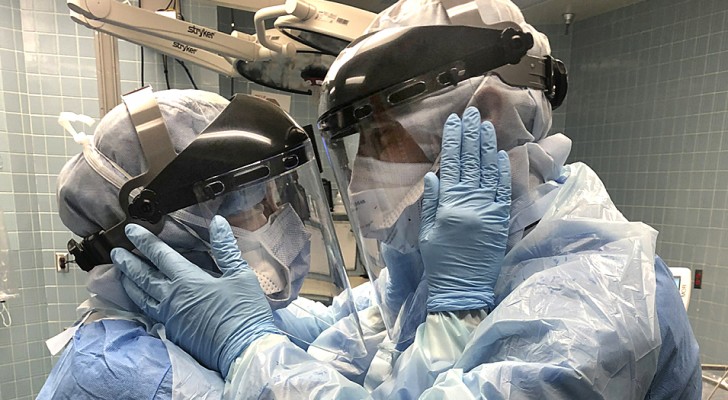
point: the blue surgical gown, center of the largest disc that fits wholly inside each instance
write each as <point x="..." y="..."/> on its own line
<point x="119" y="354"/>
<point x="111" y="359"/>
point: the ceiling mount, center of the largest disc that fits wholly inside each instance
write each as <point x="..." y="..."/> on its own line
<point x="568" y="19"/>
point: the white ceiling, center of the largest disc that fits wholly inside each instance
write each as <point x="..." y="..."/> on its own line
<point x="536" y="11"/>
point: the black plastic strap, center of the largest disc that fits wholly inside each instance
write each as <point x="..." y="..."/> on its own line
<point x="510" y="48"/>
<point x="92" y="251"/>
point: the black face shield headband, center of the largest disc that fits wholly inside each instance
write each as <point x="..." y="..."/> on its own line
<point x="380" y="70"/>
<point x="250" y="141"/>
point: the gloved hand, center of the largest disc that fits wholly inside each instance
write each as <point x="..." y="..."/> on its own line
<point x="404" y="273"/>
<point x="213" y="319"/>
<point x="465" y="216"/>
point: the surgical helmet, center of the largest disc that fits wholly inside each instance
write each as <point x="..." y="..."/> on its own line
<point x="388" y="94"/>
<point x="171" y="160"/>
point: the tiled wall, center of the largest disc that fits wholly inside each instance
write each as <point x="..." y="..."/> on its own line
<point x="47" y="65"/>
<point x="652" y="87"/>
<point x="23" y="361"/>
<point x="648" y="109"/>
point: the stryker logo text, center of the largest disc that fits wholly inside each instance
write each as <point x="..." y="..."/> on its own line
<point x="200" y="32"/>
<point x="183" y="47"/>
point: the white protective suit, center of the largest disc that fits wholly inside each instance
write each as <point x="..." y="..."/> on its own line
<point x="575" y="319"/>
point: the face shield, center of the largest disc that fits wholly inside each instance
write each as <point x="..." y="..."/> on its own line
<point x="382" y="116"/>
<point x="256" y="167"/>
<point x="278" y="225"/>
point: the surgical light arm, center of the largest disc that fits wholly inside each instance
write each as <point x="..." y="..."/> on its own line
<point x="289" y="50"/>
<point x="318" y="17"/>
<point x="172" y="48"/>
<point x="237" y="45"/>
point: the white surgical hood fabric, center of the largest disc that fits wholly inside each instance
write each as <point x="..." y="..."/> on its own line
<point x="88" y="201"/>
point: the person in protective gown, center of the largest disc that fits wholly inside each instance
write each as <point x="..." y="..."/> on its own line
<point x="497" y="270"/>
<point x="279" y="221"/>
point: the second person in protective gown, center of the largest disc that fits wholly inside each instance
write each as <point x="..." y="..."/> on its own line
<point x="116" y="350"/>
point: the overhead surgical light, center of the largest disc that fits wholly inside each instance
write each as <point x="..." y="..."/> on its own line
<point x="313" y="33"/>
<point x="326" y="26"/>
<point x="297" y="74"/>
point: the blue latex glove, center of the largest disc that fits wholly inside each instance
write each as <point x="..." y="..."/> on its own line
<point x="465" y="216"/>
<point x="213" y="319"/>
<point x="404" y="273"/>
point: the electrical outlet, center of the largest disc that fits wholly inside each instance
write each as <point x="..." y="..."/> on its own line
<point x="62" y="262"/>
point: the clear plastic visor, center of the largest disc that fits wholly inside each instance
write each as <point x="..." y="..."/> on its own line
<point x="379" y="164"/>
<point x="375" y="193"/>
<point x="285" y="233"/>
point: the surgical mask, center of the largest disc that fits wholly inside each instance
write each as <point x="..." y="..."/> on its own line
<point x="404" y="235"/>
<point x="279" y="253"/>
<point x="381" y="191"/>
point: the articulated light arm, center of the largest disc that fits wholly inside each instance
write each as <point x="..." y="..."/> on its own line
<point x="237" y="46"/>
<point x="326" y="19"/>
<point x="289" y="50"/>
<point x="316" y="30"/>
<point x="172" y="48"/>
